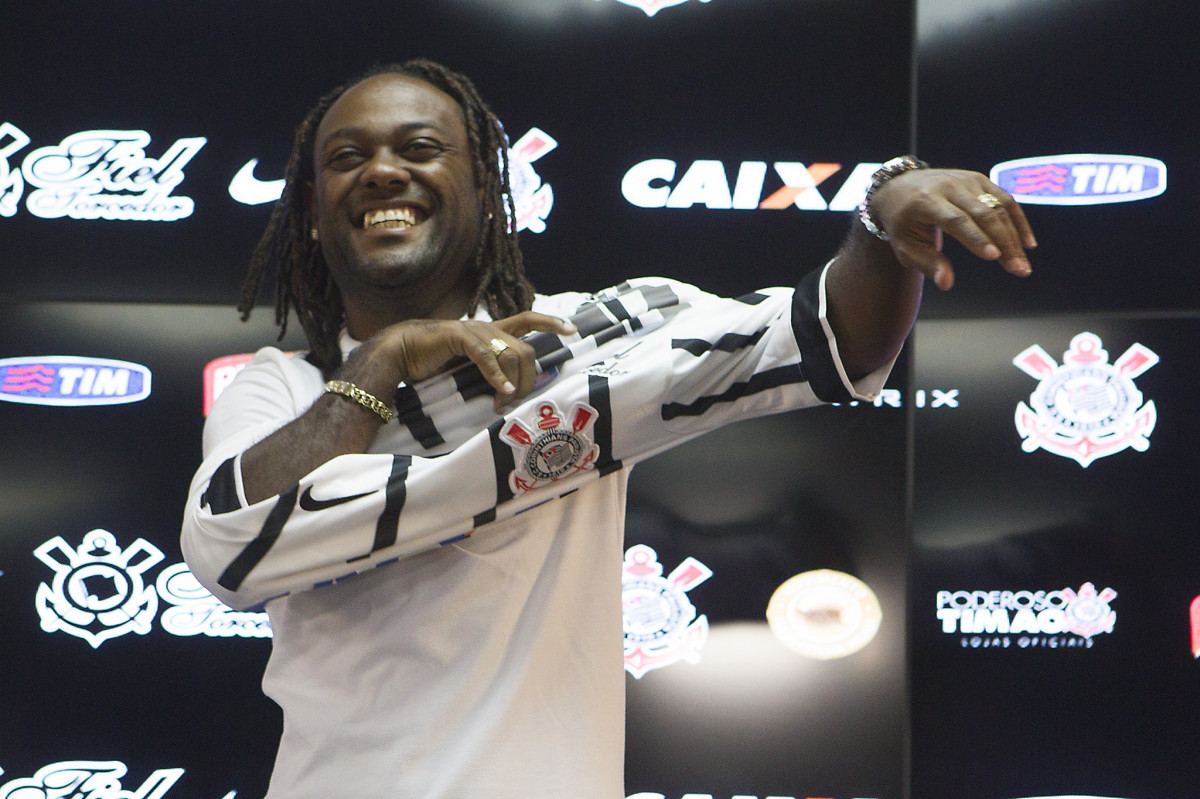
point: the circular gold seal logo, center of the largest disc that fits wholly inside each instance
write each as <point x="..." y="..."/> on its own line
<point x="824" y="614"/>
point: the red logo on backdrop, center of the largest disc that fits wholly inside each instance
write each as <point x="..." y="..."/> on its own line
<point x="220" y="373"/>
<point x="1196" y="627"/>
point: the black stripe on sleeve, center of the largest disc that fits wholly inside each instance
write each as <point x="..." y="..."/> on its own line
<point x="753" y="298"/>
<point x="221" y="495"/>
<point x="617" y="309"/>
<point x="235" y="574"/>
<point x="763" y="381"/>
<point x="388" y="526"/>
<point x="600" y="399"/>
<point x="590" y="320"/>
<point x="818" y="362"/>
<point x="659" y="296"/>
<point x="503" y="463"/>
<point x="411" y="414"/>
<point x="470" y="382"/>
<point x="730" y="342"/>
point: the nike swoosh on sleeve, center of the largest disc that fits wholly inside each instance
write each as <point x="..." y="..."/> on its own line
<point x="310" y="503"/>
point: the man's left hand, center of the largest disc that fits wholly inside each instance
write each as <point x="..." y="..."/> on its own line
<point x="916" y="207"/>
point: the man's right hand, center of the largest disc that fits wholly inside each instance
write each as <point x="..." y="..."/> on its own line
<point x="424" y="348"/>
<point x="405" y="352"/>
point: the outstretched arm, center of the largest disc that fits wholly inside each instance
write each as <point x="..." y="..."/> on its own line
<point x="874" y="286"/>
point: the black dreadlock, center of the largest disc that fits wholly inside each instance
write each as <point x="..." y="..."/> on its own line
<point x="302" y="279"/>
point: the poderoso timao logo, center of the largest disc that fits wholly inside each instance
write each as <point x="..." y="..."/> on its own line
<point x="1058" y="619"/>
<point x="1085" y="408"/>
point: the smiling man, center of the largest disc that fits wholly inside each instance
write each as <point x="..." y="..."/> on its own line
<point x="430" y="503"/>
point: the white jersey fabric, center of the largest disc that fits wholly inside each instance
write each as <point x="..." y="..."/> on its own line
<point x="446" y="608"/>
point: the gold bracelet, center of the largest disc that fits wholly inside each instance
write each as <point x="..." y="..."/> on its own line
<point x="363" y="398"/>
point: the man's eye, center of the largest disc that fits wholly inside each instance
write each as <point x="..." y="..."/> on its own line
<point x="344" y="158"/>
<point x="423" y="149"/>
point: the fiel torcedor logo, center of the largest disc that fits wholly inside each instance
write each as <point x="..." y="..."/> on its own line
<point x="66" y="380"/>
<point x="90" y="779"/>
<point x="96" y="174"/>
<point x="1081" y="179"/>
<point x="1085" y="408"/>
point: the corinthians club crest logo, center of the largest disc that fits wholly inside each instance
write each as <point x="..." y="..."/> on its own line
<point x="1085" y="408"/>
<point x="549" y="447"/>
<point x="98" y="591"/>
<point x="661" y="626"/>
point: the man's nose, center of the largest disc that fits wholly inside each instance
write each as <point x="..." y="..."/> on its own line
<point x="386" y="169"/>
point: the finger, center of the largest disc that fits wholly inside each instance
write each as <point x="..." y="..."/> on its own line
<point x="982" y="224"/>
<point x="922" y="252"/>
<point x="1017" y="214"/>
<point x="529" y="321"/>
<point x="999" y="224"/>
<point x="488" y="350"/>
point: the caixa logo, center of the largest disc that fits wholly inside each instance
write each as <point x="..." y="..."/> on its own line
<point x="1081" y="179"/>
<point x="72" y="381"/>
<point x="652" y="184"/>
<point x="96" y="174"/>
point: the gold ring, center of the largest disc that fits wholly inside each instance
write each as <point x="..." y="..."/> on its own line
<point x="497" y="346"/>
<point x="990" y="200"/>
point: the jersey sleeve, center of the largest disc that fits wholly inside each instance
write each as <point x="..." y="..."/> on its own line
<point x="655" y="362"/>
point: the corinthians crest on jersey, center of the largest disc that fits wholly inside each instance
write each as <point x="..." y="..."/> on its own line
<point x="549" y="446"/>
<point x="1085" y="408"/>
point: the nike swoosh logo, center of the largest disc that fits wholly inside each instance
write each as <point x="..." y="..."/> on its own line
<point x="307" y="502"/>
<point x="245" y="188"/>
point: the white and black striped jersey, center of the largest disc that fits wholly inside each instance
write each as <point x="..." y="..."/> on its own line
<point x="446" y="607"/>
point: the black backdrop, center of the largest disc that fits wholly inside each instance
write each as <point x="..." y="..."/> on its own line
<point x="927" y="491"/>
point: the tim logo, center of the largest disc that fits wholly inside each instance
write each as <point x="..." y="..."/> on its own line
<point x="72" y="381"/>
<point x="1081" y="179"/>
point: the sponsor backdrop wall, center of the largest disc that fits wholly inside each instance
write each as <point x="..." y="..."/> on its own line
<point x="979" y="585"/>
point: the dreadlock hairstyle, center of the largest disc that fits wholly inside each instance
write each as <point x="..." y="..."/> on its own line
<point x="302" y="279"/>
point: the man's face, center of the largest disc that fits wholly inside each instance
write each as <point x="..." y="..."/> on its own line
<point x="395" y="200"/>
